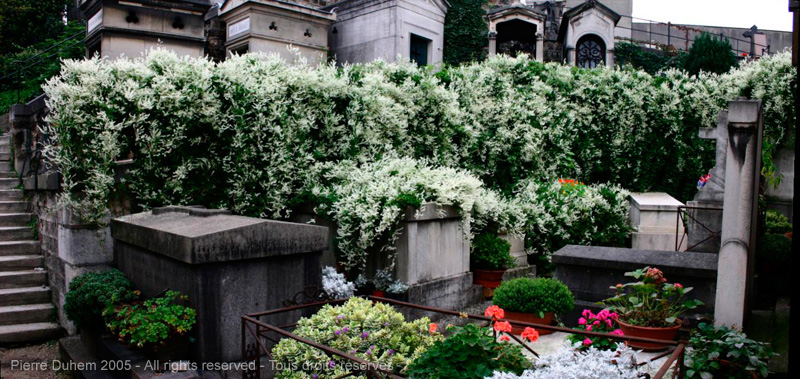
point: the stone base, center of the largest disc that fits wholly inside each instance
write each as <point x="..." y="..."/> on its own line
<point x="451" y="293"/>
<point x="657" y="241"/>
<point x="519" y="272"/>
<point x="591" y="271"/>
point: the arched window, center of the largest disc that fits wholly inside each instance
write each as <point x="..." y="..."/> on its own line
<point x="516" y="36"/>
<point x="591" y="51"/>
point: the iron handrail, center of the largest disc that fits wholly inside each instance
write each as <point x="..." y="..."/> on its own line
<point x="374" y="371"/>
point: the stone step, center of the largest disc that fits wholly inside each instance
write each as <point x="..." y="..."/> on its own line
<point x="15" y="233"/>
<point x="5" y="156"/>
<point x="16" y="219"/>
<point x="9" y="183"/>
<point x="27" y="313"/>
<point x="14" y="206"/>
<point x="29" y="332"/>
<point x="5" y="148"/>
<point x="6" y="173"/>
<point x="24" y="295"/>
<point x="10" y="195"/>
<point x="20" y="262"/>
<point x="26" y="278"/>
<point x="19" y="248"/>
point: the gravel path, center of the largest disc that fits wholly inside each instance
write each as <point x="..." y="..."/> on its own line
<point x="38" y="358"/>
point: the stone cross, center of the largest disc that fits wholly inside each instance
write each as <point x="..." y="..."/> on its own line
<point x="752" y="35"/>
<point x="715" y="187"/>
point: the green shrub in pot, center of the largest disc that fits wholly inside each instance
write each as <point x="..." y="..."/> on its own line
<point x="91" y="292"/>
<point x="490" y="252"/>
<point x="538" y="296"/>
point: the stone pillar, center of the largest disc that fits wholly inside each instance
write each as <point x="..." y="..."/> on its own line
<point x="492" y="43"/>
<point x="740" y="212"/>
<point x="540" y="47"/>
<point x="569" y="53"/>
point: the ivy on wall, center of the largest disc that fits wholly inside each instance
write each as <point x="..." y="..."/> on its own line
<point x="465" y="32"/>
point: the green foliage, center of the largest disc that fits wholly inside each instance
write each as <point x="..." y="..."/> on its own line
<point x="777" y="223"/>
<point x="151" y="323"/>
<point x="652" y="62"/>
<point x="710" y="54"/>
<point x="650" y="301"/>
<point x="28" y="71"/>
<point x="26" y="22"/>
<point x="538" y="296"/>
<point x="375" y="332"/>
<point x="91" y="292"/>
<point x="470" y="353"/>
<point x="490" y="252"/>
<point x="773" y="262"/>
<point x="775" y="250"/>
<point x="465" y="31"/>
<point x="722" y="352"/>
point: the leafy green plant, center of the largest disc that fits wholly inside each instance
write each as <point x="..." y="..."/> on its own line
<point x="151" y="323"/>
<point x="90" y="293"/>
<point x="651" y="61"/>
<point x="465" y="31"/>
<point x="722" y="352"/>
<point x="777" y="223"/>
<point x="374" y="332"/>
<point x="710" y="54"/>
<point x="490" y="252"/>
<point x="470" y="352"/>
<point x="540" y="295"/>
<point x="650" y="301"/>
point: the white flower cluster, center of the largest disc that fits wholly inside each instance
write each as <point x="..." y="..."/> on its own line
<point x="256" y="134"/>
<point x="569" y="363"/>
<point x="336" y="285"/>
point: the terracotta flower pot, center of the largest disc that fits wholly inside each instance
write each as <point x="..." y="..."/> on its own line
<point x="488" y="278"/>
<point x="667" y="333"/>
<point x="378" y="293"/>
<point x="532" y="318"/>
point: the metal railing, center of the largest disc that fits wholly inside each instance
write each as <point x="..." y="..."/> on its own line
<point x="263" y="333"/>
<point x="682" y="215"/>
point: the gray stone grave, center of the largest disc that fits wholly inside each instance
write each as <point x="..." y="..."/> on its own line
<point x="227" y="265"/>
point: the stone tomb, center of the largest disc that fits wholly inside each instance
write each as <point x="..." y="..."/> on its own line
<point x="591" y="271"/>
<point x="227" y="265"/>
<point x="654" y="218"/>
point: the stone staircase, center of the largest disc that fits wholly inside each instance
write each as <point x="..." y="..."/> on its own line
<point x="26" y="311"/>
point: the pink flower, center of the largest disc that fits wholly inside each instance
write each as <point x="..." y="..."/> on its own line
<point x="678" y="286"/>
<point x="581" y="321"/>
<point x="588" y="328"/>
<point x="618" y="332"/>
<point x="587" y="313"/>
<point x="587" y="342"/>
<point x="504" y="338"/>
<point x="596" y="322"/>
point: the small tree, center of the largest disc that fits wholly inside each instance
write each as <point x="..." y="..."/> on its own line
<point x="710" y="54"/>
<point x="465" y="31"/>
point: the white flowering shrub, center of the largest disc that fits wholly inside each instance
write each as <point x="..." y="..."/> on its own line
<point x="568" y="363"/>
<point x="335" y="284"/>
<point x="255" y="134"/>
<point x="371" y="199"/>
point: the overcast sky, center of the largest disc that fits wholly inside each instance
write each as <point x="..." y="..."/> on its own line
<point x="766" y="14"/>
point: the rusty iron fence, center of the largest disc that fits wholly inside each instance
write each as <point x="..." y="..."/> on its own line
<point x="257" y="336"/>
<point x="683" y="215"/>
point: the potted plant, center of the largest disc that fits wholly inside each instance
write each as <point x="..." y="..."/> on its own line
<point x="722" y="352"/>
<point x="381" y="281"/>
<point x="600" y="322"/>
<point x="533" y="300"/>
<point x="159" y="326"/>
<point x="397" y="291"/>
<point x="650" y="307"/>
<point x="489" y="260"/>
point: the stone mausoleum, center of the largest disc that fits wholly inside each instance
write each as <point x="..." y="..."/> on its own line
<point x="580" y="32"/>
